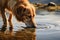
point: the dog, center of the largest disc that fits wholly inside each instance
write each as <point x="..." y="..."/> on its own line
<point x="23" y="10"/>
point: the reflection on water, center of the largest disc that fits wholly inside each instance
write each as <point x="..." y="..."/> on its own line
<point x="23" y="34"/>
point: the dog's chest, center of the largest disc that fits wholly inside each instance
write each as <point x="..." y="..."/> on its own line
<point x="11" y="3"/>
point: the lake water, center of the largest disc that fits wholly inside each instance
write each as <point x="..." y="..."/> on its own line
<point x="48" y="19"/>
<point x="48" y="25"/>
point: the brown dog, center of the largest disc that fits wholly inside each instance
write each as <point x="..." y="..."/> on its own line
<point x="21" y="9"/>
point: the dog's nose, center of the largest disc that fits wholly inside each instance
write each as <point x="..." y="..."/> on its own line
<point x="30" y="25"/>
<point x="33" y="26"/>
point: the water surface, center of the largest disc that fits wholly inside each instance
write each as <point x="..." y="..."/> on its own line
<point x="48" y="25"/>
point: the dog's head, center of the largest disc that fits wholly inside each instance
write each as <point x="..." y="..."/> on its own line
<point x="25" y="14"/>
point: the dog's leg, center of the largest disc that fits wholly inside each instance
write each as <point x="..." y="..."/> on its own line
<point x="4" y="20"/>
<point x="10" y="23"/>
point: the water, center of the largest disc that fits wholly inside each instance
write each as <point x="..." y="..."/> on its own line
<point x="48" y="19"/>
<point x="48" y="25"/>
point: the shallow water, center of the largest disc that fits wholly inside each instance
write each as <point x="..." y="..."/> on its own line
<point x="48" y="19"/>
<point x="48" y="25"/>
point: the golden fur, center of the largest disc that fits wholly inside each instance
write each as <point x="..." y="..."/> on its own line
<point x="21" y="9"/>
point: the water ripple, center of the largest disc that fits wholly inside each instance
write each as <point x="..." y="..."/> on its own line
<point x="44" y="25"/>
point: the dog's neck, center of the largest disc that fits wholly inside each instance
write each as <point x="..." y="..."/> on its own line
<point x="24" y="2"/>
<point x="12" y="3"/>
